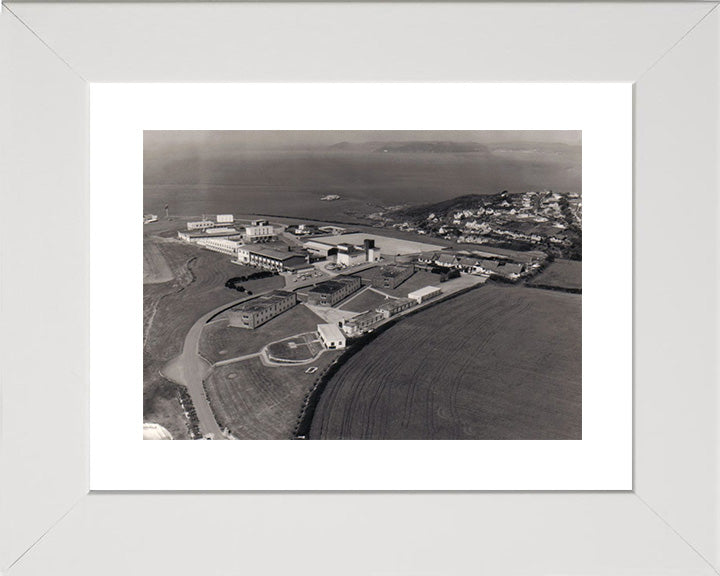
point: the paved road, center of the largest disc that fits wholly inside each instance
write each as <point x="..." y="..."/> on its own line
<point x="190" y="368"/>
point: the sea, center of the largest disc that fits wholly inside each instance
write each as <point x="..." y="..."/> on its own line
<point x="292" y="183"/>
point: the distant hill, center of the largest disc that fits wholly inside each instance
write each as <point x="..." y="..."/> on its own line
<point x="465" y="202"/>
<point x="411" y="147"/>
<point x="433" y="147"/>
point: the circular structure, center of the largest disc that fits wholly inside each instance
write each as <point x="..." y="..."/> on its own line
<point x="152" y="431"/>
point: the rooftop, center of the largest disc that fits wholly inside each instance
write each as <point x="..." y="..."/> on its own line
<point x="423" y="291"/>
<point x="330" y="286"/>
<point x="330" y="332"/>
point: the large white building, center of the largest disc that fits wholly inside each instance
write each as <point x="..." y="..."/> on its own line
<point x="259" y="231"/>
<point x="222" y="245"/>
<point x="225" y="218"/>
<point x="424" y="294"/>
<point x="331" y="336"/>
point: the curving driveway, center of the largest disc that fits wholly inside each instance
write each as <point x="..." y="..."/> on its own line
<point x="189" y="369"/>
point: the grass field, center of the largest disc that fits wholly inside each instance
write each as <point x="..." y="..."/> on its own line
<point x="368" y="300"/>
<point x="500" y="362"/>
<point x="302" y="347"/>
<point x="257" y="402"/>
<point x="561" y="274"/>
<point x="220" y="341"/>
<point x="170" y="309"/>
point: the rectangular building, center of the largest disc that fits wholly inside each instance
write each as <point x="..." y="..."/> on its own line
<point x="424" y="294"/>
<point x="331" y="336"/>
<point x="390" y="275"/>
<point x="393" y="306"/>
<point x="200" y="225"/>
<point x="225" y="218"/>
<point x="331" y="292"/>
<point x="222" y="245"/>
<point x="259" y="231"/>
<point x="348" y="255"/>
<point x="261" y="309"/>
<point x="270" y="258"/>
<point x="362" y="322"/>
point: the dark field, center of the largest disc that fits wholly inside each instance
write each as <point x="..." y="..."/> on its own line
<point x="368" y="300"/>
<point x="500" y="362"/>
<point x="561" y="274"/>
<point x="222" y="342"/>
<point x="257" y="402"/>
<point x="170" y="309"/>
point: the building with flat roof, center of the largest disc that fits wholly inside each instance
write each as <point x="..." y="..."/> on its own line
<point x="348" y="255"/>
<point x="200" y="225"/>
<point x="390" y="275"/>
<point x="331" y="292"/>
<point x="393" y="306"/>
<point x="259" y="231"/>
<point x="269" y="258"/>
<point x="195" y="235"/>
<point x="331" y="336"/>
<point x="225" y="218"/>
<point x="259" y="310"/>
<point x="424" y="294"/>
<point x="222" y="245"/>
<point x="362" y="322"/>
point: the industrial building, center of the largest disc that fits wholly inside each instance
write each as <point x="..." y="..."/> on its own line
<point x="269" y="258"/>
<point x="390" y="275"/>
<point x="225" y="218"/>
<point x="261" y="309"/>
<point x="348" y="255"/>
<point x="259" y="231"/>
<point x="331" y="336"/>
<point x="331" y="292"/>
<point x="362" y="322"/>
<point x="393" y="306"/>
<point x="319" y="248"/>
<point x="222" y="245"/>
<point x="424" y="294"/>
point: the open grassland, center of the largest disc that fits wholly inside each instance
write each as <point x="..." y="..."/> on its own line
<point x="499" y="362"/>
<point x="156" y="270"/>
<point x="299" y="348"/>
<point x="367" y="300"/>
<point x="561" y="274"/>
<point x="170" y="309"/>
<point x="258" y="402"/>
<point x="221" y="342"/>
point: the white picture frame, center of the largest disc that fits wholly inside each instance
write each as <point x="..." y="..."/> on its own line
<point x="669" y="522"/>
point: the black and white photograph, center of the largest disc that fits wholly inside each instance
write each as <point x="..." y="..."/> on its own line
<point x="362" y="285"/>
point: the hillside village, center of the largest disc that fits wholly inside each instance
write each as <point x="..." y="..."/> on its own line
<point x="545" y="220"/>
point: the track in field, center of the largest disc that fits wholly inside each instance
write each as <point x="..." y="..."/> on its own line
<point x="500" y="362"/>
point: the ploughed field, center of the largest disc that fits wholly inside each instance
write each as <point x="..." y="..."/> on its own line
<point x="499" y="362"/>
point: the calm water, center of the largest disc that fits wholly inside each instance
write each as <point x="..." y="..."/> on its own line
<point x="292" y="183"/>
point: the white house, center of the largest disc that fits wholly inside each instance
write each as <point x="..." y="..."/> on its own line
<point x="331" y="336"/>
